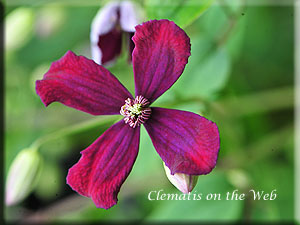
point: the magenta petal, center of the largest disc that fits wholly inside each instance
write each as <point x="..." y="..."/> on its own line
<point x="186" y="142"/>
<point x="159" y="57"/>
<point x="82" y="84"/>
<point x="105" y="164"/>
<point x="110" y="45"/>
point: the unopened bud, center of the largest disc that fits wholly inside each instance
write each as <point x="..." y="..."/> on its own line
<point x="22" y="176"/>
<point x="183" y="182"/>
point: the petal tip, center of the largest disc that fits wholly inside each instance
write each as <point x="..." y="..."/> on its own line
<point x="104" y="205"/>
<point x="166" y="22"/>
<point x="38" y="90"/>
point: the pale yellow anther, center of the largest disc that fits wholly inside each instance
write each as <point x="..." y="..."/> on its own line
<point x="135" y="110"/>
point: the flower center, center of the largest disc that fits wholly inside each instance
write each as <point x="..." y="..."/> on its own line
<point x="136" y="112"/>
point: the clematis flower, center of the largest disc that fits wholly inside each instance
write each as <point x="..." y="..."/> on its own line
<point x="186" y="142"/>
<point x="114" y="20"/>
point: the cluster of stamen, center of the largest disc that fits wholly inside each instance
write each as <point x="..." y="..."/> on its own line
<point x="136" y="112"/>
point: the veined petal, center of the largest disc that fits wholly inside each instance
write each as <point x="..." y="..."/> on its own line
<point x="82" y="84"/>
<point x="186" y="142"/>
<point x="159" y="57"/>
<point x="105" y="164"/>
<point x="106" y="35"/>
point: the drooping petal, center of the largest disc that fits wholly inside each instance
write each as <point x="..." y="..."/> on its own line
<point x="109" y="47"/>
<point x="82" y="84"/>
<point x="159" y="57"/>
<point x="106" y="35"/>
<point x="105" y="164"/>
<point x="186" y="142"/>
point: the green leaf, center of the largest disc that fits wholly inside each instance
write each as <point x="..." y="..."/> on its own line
<point x="227" y="23"/>
<point x="206" y="72"/>
<point x="183" y="13"/>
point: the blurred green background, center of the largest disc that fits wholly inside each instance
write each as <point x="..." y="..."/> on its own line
<point x="240" y="75"/>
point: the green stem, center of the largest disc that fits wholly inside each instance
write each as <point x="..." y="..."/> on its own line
<point x="260" y="102"/>
<point x="235" y="106"/>
<point x="231" y="24"/>
<point x="78" y="128"/>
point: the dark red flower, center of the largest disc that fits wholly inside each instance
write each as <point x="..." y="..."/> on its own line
<point x="111" y="22"/>
<point x="186" y="142"/>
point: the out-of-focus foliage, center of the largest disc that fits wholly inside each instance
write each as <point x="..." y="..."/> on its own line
<point x="183" y="13"/>
<point x="240" y="75"/>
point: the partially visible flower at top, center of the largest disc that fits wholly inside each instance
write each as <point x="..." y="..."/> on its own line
<point x="114" y="20"/>
<point x="186" y="142"/>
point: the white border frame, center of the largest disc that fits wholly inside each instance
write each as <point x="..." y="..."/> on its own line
<point x="295" y="3"/>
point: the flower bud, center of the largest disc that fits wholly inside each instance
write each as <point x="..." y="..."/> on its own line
<point x="22" y="176"/>
<point x="183" y="182"/>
